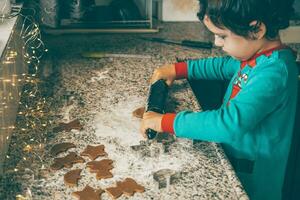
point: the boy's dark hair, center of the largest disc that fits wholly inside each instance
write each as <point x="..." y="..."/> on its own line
<point x="236" y="15"/>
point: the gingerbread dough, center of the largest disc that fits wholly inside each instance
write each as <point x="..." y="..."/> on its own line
<point x="62" y="147"/>
<point x="114" y="192"/>
<point x="101" y="168"/>
<point x="127" y="187"/>
<point x="71" y="178"/>
<point x="67" y="161"/>
<point x="94" y="166"/>
<point x="130" y="186"/>
<point x="94" y="152"/>
<point x="138" y="113"/>
<point x="75" y="124"/>
<point x="103" y="174"/>
<point x="88" y="193"/>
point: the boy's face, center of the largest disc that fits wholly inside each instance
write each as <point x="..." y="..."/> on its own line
<point x="234" y="45"/>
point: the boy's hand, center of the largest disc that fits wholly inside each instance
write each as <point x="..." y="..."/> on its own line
<point x="166" y="72"/>
<point x="151" y="120"/>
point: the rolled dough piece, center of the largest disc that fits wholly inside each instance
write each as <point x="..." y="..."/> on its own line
<point x="71" y="178"/>
<point x="62" y="147"/>
<point x="138" y="113"/>
<point x="94" y="152"/>
<point x="88" y="193"/>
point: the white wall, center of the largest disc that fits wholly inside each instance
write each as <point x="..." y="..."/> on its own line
<point x="180" y="10"/>
<point x="290" y="35"/>
<point x="170" y="10"/>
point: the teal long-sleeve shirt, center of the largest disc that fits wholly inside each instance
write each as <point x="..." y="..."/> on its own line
<point x="257" y="123"/>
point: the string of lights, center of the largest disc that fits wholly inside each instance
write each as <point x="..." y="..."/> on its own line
<point x="33" y="108"/>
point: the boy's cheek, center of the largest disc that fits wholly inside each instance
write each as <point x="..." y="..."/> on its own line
<point x="233" y="50"/>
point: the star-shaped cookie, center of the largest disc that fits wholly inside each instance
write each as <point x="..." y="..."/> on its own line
<point x="130" y="186"/>
<point x="94" y="152"/>
<point x="94" y="166"/>
<point x="127" y="187"/>
<point x="101" y="168"/>
<point x="88" y="193"/>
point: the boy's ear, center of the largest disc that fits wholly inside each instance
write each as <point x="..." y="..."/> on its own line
<point x="259" y="30"/>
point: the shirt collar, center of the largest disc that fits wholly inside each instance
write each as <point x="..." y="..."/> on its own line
<point x="252" y="61"/>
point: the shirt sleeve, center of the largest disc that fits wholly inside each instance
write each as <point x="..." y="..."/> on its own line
<point x="261" y="95"/>
<point x="215" y="68"/>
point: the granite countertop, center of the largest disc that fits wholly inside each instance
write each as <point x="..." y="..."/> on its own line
<point x="102" y="93"/>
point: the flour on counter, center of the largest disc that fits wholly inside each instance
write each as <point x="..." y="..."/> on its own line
<point x="99" y="76"/>
<point x="118" y="130"/>
<point x="117" y="122"/>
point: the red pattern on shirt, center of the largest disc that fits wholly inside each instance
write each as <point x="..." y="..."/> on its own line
<point x="251" y="63"/>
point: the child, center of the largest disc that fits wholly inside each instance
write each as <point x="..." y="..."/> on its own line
<point x="255" y="122"/>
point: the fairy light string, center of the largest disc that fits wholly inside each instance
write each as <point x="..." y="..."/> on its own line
<point x="33" y="119"/>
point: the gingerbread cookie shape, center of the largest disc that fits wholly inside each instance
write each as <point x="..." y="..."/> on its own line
<point x="88" y="193"/>
<point x="139" y="112"/>
<point x="66" y="161"/>
<point x="103" y="174"/>
<point x="62" y="147"/>
<point x="71" y="178"/>
<point x="75" y="124"/>
<point x="130" y="186"/>
<point x="94" y="152"/>
<point x="127" y="187"/>
<point x="101" y="168"/>
<point x="94" y="166"/>
<point x="114" y="192"/>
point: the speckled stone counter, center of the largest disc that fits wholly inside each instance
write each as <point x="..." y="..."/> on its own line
<point x="103" y="93"/>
